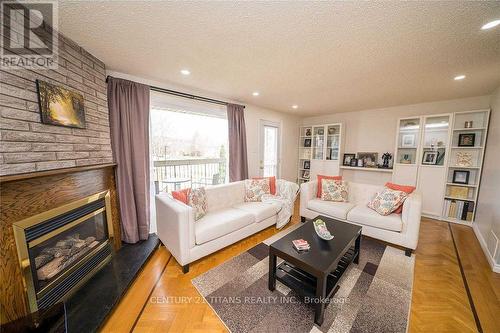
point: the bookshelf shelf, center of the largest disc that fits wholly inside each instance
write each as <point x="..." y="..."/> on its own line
<point x="461" y="185"/>
<point x="420" y="138"/>
<point x="457" y="209"/>
<point x="460" y="199"/>
<point x="366" y="169"/>
<point x="463" y="167"/>
<point x="469" y="129"/>
<point x="319" y="149"/>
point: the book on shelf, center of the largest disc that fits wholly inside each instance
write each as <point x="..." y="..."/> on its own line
<point x="458" y="209"/>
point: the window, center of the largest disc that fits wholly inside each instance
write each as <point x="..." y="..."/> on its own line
<point x="189" y="143"/>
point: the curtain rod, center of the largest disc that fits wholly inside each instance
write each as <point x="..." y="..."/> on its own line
<point x="185" y="95"/>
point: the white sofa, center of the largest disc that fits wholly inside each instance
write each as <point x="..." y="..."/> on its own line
<point x="400" y="229"/>
<point x="229" y="219"/>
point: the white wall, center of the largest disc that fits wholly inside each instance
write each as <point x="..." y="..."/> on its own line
<point x="487" y="223"/>
<point x="375" y="130"/>
<point x="253" y="115"/>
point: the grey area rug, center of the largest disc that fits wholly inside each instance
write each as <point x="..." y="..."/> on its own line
<point x="374" y="296"/>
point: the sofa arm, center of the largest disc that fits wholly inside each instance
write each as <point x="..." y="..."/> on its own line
<point x="411" y="215"/>
<point x="175" y="227"/>
<point x="307" y="193"/>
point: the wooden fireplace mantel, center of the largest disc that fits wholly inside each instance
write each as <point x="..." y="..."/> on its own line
<point x="22" y="176"/>
<point x="25" y="195"/>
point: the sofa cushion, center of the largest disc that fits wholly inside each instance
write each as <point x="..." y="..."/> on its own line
<point x="405" y="188"/>
<point x="387" y="201"/>
<point x="260" y="210"/>
<point x="219" y="223"/>
<point x="330" y="208"/>
<point x="320" y="177"/>
<point x="197" y="199"/>
<point x="272" y="183"/>
<point x="334" y="190"/>
<point x="364" y="215"/>
<point x="256" y="188"/>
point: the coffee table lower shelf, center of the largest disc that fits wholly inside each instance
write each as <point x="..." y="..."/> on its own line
<point x="305" y="284"/>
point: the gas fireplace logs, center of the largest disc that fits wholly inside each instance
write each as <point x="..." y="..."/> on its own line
<point x="53" y="260"/>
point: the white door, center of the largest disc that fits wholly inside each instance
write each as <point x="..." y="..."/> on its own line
<point x="269" y="148"/>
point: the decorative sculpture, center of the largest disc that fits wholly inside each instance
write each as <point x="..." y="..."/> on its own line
<point x="386" y="157"/>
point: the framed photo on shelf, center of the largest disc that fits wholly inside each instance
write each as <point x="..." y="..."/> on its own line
<point x="347" y="159"/>
<point x="408" y="141"/>
<point x="466" y="139"/>
<point x="307" y="142"/>
<point x="370" y="160"/>
<point x="430" y="157"/>
<point x="461" y="177"/>
<point x="307" y="165"/>
<point x="305" y="174"/>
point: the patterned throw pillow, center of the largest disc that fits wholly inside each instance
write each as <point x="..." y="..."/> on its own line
<point x="334" y="190"/>
<point x="320" y="178"/>
<point x="255" y="188"/>
<point x="387" y="201"/>
<point x="405" y="188"/>
<point x="198" y="200"/>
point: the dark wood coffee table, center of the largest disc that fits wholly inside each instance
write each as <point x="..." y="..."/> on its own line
<point x="315" y="273"/>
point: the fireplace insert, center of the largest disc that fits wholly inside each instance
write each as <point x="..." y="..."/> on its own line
<point x="61" y="249"/>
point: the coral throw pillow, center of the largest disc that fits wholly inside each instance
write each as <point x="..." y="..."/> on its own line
<point x="256" y="188"/>
<point x="334" y="190"/>
<point x="182" y="195"/>
<point x="272" y="183"/>
<point x="198" y="200"/>
<point x="387" y="201"/>
<point x="320" y="177"/>
<point x="405" y="188"/>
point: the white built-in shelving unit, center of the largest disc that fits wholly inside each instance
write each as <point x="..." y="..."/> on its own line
<point x="319" y="150"/>
<point x="428" y="153"/>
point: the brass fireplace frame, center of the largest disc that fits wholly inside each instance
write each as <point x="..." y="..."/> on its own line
<point x="23" y="246"/>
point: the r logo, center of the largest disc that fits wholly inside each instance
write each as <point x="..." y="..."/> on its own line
<point x="28" y="35"/>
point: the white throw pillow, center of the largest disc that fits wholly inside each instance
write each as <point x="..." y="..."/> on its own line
<point x="334" y="190"/>
<point x="256" y="188"/>
<point x="198" y="200"/>
<point x="387" y="201"/>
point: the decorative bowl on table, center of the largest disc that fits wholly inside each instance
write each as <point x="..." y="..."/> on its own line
<point x="322" y="230"/>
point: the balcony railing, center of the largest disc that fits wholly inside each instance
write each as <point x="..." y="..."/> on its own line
<point x="170" y="175"/>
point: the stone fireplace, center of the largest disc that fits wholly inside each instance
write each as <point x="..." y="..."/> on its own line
<point x="62" y="248"/>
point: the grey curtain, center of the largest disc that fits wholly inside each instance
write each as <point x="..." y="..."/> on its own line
<point x="238" y="164"/>
<point x="128" y="104"/>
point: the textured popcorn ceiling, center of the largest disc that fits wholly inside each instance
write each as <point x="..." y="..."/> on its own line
<point x="325" y="57"/>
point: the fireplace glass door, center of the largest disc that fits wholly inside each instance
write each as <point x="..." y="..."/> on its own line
<point x="61" y="248"/>
<point x="58" y="254"/>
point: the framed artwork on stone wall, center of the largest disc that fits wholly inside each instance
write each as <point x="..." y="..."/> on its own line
<point x="60" y="106"/>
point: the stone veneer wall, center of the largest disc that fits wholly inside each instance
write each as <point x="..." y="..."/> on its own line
<point x="26" y="144"/>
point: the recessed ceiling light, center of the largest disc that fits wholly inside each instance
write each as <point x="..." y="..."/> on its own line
<point x="459" y="77"/>
<point x="490" y="25"/>
<point x="255" y="93"/>
<point x="185" y="72"/>
<point x="295" y="106"/>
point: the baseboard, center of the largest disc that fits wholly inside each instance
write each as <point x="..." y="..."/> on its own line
<point x="495" y="267"/>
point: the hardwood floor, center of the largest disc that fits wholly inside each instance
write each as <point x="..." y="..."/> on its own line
<point x="163" y="299"/>
<point x="484" y="285"/>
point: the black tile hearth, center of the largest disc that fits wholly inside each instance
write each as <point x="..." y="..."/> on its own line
<point x="87" y="309"/>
